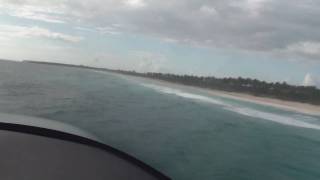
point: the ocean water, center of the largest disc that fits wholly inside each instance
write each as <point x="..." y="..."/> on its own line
<point x="187" y="134"/>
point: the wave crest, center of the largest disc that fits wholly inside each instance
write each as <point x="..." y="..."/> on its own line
<point x="246" y="111"/>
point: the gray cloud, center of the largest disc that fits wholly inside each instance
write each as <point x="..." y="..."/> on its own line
<point x="148" y="61"/>
<point x="8" y="32"/>
<point x="288" y="27"/>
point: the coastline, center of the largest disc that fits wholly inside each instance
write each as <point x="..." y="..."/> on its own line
<point x="294" y="106"/>
<point x="304" y="108"/>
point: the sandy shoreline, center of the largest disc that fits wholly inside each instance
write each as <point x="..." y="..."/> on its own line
<point x="286" y="105"/>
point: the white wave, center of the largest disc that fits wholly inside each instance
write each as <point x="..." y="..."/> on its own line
<point x="282" y="119"/>
<point x="286" y="120"/>
<point x="180" y="93"/>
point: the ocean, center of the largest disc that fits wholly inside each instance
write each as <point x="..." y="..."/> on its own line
<point x="185" y="133"/>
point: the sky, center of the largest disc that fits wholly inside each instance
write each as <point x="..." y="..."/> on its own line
<point x="271" y="40"/>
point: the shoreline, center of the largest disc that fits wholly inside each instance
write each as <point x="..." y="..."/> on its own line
<point x="304" y="108"/>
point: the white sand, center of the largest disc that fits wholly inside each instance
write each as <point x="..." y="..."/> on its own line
<point x="287" y="105"/>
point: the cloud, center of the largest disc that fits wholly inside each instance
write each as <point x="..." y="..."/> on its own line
<point x="309" y="80"/>
<point x="308" y="48"/>
<point x="12" y="31"/>
<point x="38" y="13"/>
<point x="208" y="10"/>
<point x="150" y="61"/>
<point x="135" y="3"/>
<point x="255" y="6"/>
<point x="111" y="30"/>
<point x="270" y="26"/>
<point x="37" y="16"/>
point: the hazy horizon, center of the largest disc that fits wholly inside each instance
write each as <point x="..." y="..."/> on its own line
<point x="199" y="75"/>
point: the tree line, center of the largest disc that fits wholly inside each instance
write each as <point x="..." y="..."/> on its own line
<point x="283" y="91"/>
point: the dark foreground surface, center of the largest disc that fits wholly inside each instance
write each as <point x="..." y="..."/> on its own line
<point x="37" y="153"/>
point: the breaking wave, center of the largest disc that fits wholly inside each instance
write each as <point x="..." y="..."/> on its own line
<point x="246" y="111"/>
<point x="180" y="93"/>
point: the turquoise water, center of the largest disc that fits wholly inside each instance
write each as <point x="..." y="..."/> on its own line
<point x="184" y="133"/>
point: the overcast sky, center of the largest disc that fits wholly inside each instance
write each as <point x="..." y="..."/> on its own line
<point x="273" y="40"/>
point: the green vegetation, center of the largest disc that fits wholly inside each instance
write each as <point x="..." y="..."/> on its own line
<point x="305" y="94"/>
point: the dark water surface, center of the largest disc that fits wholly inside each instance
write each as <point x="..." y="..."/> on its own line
<point x="186" y="135"/>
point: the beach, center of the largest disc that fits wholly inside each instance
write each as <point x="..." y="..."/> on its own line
<point x="299" y="107"/>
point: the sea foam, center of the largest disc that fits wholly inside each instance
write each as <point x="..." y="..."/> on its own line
<point x="246" y="111"/>
<point x="282" y="119"/>
<point x="180" y="93"/>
